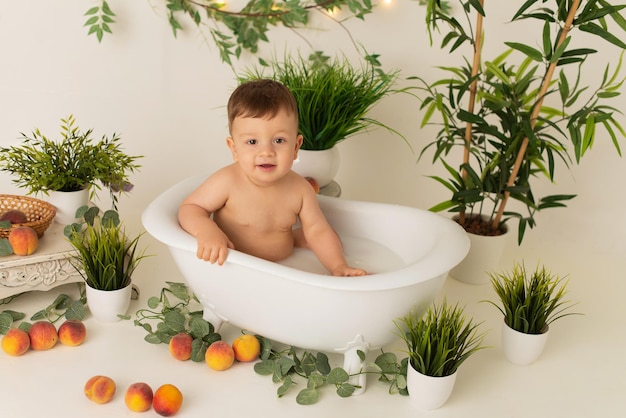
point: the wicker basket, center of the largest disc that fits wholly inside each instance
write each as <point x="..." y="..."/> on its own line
<point x="39" y="213"/>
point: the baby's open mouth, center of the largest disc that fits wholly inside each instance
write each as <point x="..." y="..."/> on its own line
<point x="266" y="165"/>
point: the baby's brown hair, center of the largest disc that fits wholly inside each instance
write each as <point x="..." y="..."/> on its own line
<point x="262" y="98"/>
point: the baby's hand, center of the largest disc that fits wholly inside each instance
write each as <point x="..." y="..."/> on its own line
<point x="347" y="271"/>
<point x="213" y="248"/>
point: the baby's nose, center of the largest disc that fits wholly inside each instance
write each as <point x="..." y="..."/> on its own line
<point x="267" y="149"/>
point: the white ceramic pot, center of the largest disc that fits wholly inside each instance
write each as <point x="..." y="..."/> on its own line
<point x="321" y="165"/>
<point x="520" y="348"/>
<point x="106" y="305"/>
<point x="483" y="257"/>
<point x="67" y="203"/>
<point x="428" y="392"/>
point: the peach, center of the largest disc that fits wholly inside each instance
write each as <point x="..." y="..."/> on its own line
<point x="219" y="356"/>
<point x="14" y="216"/>
<point x="167" y="400"/>
<point x="313" y="183"/>
<point x="100" y="389"/>
<point x="23" y="240"/>
<point x="138" y="397"/>
<point x="180" y="346"/>
<point x="16" y="342"/>
<point x="43" y="335"/>
<point x="72" y="332"/>
<point x="246" y="347"/>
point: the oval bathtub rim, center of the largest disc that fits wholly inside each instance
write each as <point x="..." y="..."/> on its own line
<point x="165" y="228"/>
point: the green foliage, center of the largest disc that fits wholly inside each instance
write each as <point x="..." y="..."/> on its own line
<point x="530" y="303"/>
<point x="5" y="246"/>
<point x="99" y="20"/>
<point x="63" y="307"/>
<point x="288" y="365"/>
<point x="333" y="97"/>
<point x="173" y="312"/>
<point x="510" y="135"/>
<point x="234" y="31"/>
<point x="106" y="257"/>
<point x="76" y="161"/>
<point x="439" y="341"/>
<point x="177" y="310"/>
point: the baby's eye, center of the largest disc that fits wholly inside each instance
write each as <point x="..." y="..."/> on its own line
<point x="279" y="140"/>
<point x="251" y="141"/>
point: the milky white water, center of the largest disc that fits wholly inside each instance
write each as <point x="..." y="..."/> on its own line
<point x="369" y="255"/>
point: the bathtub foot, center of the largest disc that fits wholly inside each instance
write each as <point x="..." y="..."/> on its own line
<point x="353" y="364"/>
<point x="213" y="317"/>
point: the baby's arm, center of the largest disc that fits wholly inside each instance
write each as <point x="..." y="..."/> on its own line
<point x="194" y="216"/>
<point x="323" y="240"/>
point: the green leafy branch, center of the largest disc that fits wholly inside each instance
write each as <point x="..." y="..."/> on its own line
<point x="178" y="310"/>
<point x="64" y="306"/>
<point x="288" y="365"/>
<point x="233" y="31"/>
<point x="100" y="18"/>
<point x="172" y="313"/>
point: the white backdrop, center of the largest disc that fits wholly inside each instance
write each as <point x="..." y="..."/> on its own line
<point x="166" y="98"/>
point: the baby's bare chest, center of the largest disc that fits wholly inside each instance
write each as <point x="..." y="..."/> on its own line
<point x="260" y="213"/>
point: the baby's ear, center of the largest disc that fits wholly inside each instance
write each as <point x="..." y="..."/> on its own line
<point x="299" y="140"/>
<point x="231" y="145"/>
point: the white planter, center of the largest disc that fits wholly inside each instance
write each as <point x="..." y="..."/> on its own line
<point x="321" y="165"/>
<point x="520" y="348"/>
<point x="428" y="392"/>
<point x="67" y="203"/>
<point x="483" y="257"/>
<point x="106" y="305"/>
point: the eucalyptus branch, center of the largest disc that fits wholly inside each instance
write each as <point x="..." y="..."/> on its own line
<point x="238" y="30"/>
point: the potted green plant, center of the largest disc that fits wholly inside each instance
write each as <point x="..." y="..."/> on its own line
<point x="106" y="258"/>
<point x="530" y="303"/>
<point x="437" y="343"/>
<point x="334" y="99"/>
<point x="74" y="164"/>
<point x="519" y="114"/>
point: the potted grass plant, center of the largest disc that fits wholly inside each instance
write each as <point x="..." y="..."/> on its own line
<point x="519" y="114"/>
<point x="334" y="99"/>
<point x="106" y="257"/>
<point x="71" y="169"/>
<point x="530" y="302"/>
<point x="437" y="343"/>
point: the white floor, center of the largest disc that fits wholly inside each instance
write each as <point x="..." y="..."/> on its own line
<point x="582" y="372"/>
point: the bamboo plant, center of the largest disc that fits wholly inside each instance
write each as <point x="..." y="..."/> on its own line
<point x="105" y="257"/>
<point x="439" y="341"/>
<point x="521" y="113"/>
<point x="530" y="302"/>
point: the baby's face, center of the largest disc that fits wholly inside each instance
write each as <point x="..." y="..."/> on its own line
<point x="265" y="148"/>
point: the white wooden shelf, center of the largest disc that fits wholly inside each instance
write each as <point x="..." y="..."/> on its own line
<point x="47" y="267"/>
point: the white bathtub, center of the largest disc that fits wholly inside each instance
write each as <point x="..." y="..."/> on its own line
<point x="409" y="252"/>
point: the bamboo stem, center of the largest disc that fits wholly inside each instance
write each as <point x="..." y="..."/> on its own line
<point x="478" y="43"/>
<point x="535" y="114"/>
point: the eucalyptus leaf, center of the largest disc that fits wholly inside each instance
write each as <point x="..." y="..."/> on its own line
<point x="16" y="316"/>
<point x="264" y="367"/>
<point x="282" y="389"/>
<point x="345" y="390"/>
<point x="199" y="328"/>
<point x="198" y="350"/>
<point x="337" y="376"/>
<point x="307" y="396"/>
<point x="76" y="311"/>
<point x="5" y="247"/>
<point x="152" y="339"/>
<point x="6" y="320"/>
